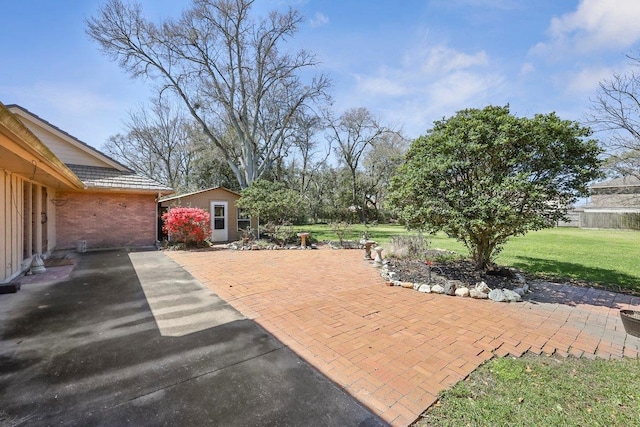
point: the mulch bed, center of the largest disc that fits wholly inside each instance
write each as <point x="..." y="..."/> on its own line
<point x="417" y="271"/>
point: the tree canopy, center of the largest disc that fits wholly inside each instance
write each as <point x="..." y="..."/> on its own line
<point x="485" y="175"/>
<point x="271" y="201"/>
<point x="228" y="70"/>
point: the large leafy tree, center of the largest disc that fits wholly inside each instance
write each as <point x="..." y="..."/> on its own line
<point x="485" y="175"/>
<point x="271" y="201"/>
<point x="226" y="67"/>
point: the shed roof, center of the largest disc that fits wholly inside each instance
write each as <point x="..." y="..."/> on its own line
<point x="165" y="199"/>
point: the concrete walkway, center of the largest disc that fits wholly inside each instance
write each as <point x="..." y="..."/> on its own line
<point x="395" y="349"/>
<point x="89" y="350"/>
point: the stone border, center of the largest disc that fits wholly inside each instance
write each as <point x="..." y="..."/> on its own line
<point x="459" y="289"/>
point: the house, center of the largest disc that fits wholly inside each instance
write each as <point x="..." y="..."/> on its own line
<point x="56" y="192"/>
<point x="227" y="220"/>
<point x="614" y="204"/>
<point x="618" y="193"/>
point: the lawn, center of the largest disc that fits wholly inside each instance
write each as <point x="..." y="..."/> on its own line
<point x="607" y="257"/>
<point x="542" y="391"/>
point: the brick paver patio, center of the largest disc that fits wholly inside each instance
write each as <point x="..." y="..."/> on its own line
<point x="394" y="349"/>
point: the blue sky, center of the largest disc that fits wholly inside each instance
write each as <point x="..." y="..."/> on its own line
<point x="410" y="62"/>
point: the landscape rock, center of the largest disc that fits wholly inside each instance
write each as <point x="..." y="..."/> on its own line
<point x="520" y="278"/>
<point x="416" y="286"/>
<point x="462" y="292"/>
<point x="483" y="287"/>
<point x="474" y="293"/>
<point x="450" y="287"/>
<point x="526" y="288"/>
<point x="511" y="296"/>
<point x="397" y="283"/>
<point x="519" y="291"/>
<point x="497" y="295"/>
<point x="425" y="289"/>
<point x="406" y="284"/>
<point x="437" y="289"/>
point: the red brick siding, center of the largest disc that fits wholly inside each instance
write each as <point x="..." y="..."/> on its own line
<point x="106" y="220"/>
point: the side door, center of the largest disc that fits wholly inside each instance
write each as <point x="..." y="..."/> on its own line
<point x="219" y="221"/>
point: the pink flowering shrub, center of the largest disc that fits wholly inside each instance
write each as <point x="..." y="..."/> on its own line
<point x="192" y="226"/>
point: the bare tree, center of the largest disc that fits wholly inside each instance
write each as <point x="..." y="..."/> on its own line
<point x="227" y="69"/>
<point x="351" y="135"/>
<point x="159" y="144"/>
<point x="616" y="109"/>
<point x="380" y="164"/>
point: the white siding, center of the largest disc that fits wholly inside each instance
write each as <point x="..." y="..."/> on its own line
<point x="63" y="149"/>
<point x="11" y="224"/>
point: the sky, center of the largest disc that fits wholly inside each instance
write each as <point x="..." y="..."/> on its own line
<point x="410" y="62"/>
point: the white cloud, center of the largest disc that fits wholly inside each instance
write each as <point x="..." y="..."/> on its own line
<point x="441" y="58"/>
<point x="594" y="25"/>
<point x="319" y="20"/>
<point x="378" y="85"/>
<point x="462" y="89"/>
<point x="586" y="80"/>
<point x="429" y="83"/>
<point x="526" y="69"/>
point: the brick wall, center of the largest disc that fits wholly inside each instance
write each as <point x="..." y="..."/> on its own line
<point x="106" y="220"/>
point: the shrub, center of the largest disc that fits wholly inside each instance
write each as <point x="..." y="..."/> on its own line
<point x="191" y="226"/>
<point x="413" y="246"/>
<point x="342" y="229"/>
<point x="281" y="233"/>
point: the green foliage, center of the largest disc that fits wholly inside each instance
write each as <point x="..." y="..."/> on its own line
<point x="271" y="202"/>
<point x="483" y="176"/>
<point x="281" y="233"/>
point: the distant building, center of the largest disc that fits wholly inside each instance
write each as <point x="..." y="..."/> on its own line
<point x="227" y="220"/>
<point x="614" y="204"/>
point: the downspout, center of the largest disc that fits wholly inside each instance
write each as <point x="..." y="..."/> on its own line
<point x="157" y="219"/>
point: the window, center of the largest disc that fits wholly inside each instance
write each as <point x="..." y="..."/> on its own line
<point x="244" y="221"/>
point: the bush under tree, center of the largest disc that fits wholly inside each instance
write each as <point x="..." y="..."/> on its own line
<point x="275" y="205"/>
<point x="485" y="175"/>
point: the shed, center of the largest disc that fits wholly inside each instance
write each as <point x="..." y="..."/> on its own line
<point x="227" y="220"/>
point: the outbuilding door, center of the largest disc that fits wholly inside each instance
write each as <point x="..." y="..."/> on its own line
<point x="219" y="221"/>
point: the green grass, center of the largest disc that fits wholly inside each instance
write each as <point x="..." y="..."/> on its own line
<point x="542" y="391"/>
<point x="605" y="257"/>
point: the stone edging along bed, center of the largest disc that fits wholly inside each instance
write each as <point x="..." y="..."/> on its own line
<point x="457" y="288"/>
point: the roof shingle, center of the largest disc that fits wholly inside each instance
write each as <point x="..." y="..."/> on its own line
<point x="109" y="178"/>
